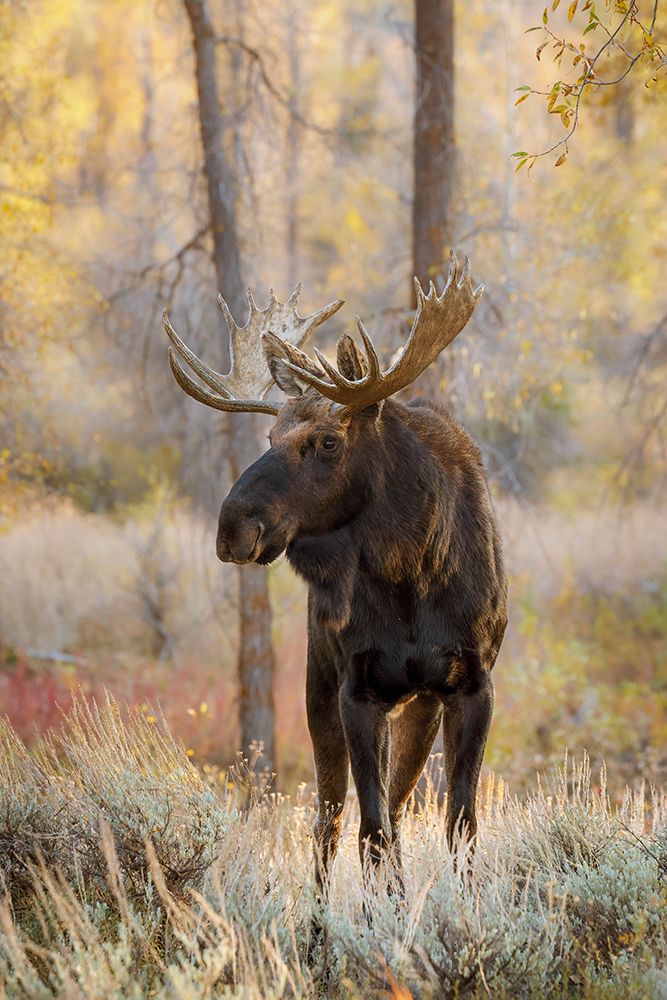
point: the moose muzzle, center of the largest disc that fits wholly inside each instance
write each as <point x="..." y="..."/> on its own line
<point x="239" y="534"/>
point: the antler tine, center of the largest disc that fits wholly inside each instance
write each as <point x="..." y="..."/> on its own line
<point x="209" y="399"/>
<point x="206" y="374"/>
<point x="336" y="377"/>
<point x="374" y="370"/>
<point x="249" y="378"/>
<point x="437" y="321"/>
<point x="250" y="298"/>
<point x="294" y="297"/>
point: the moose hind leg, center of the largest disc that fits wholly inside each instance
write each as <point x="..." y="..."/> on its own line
<point x="466" y="721"/>
<point x="368" y="741"/>
<point x="413" y="733"/>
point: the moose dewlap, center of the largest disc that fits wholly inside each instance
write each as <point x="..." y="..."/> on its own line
<point x="383" y="508"/>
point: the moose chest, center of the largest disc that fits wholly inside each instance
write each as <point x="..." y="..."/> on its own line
<point x="398" y="645"/>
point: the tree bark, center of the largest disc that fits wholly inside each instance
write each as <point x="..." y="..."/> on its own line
<point x="434" y="162"/>
<point x="434" y="158"/>
<point x="292" y="138"/>
<point x="255" y="656"/>
<point x="434" y="150"/>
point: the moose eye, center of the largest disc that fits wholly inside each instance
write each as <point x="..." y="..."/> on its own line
<point x="329" y="443"/>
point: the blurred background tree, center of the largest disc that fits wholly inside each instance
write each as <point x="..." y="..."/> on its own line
<point x="111" y="478"/>
<point x="255" y="651"/>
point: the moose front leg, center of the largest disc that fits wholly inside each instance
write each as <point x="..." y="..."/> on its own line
<point x="466" y="721"/>
<point x="368" y="741"/>
<point x="331" y="765"/>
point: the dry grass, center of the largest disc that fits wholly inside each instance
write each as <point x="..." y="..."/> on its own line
<point x="604" y="550"/>
<point x="128" y="874"/>
<point x="151" y="583"/>
<point x="85" y="582"/>
<point x="146" y="604"/>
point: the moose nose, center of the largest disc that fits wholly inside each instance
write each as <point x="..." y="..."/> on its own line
<point x="239" y="536"/>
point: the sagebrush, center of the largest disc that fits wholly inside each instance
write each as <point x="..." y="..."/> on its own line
<point x="128" y="873"/>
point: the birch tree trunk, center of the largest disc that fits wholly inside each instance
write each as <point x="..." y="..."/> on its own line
<point x="255" y="656"/>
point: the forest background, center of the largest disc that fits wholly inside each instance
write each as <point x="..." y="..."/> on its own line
<point x="111" y="477"/>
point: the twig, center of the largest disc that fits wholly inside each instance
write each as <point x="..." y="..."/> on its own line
<point x="589" y="79"/>
<point x="55" y="656"/>
<point x="256" y="58"/>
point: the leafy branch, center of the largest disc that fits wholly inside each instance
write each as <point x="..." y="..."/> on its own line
<point x="631" y="38"/>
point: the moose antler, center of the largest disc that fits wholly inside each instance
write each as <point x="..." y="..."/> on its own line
<point x="249" y="379"/>
<point x="437" y="321"/>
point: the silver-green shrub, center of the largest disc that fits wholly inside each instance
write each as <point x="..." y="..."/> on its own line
<point x="126" y="874"/>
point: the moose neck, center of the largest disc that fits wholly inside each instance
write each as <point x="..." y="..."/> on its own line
<point x="398" y="535"/>
<point x="404" y="528"/>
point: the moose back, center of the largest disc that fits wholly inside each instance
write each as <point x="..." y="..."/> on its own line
<point x="383" y="508"/>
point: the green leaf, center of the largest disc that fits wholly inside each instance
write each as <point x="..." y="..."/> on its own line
<point x="521" y="152"/>
<point x="524" y="86"/>
<point x="545" y="17"/>
<point x="521" y="164"/>
<point x="591" y="27"/>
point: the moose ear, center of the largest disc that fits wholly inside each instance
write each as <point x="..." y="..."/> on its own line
<point x="285" y="379"/>
<point x="278" y="355"/>
<point x="351" y="362"/>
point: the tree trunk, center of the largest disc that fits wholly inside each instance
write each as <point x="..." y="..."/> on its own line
<point x="433" y="156"/>
<point x="255" y="657"/>
<point x="434" y="164"/>
<point x="433" y="137"/>
<point x="292" y="158"/>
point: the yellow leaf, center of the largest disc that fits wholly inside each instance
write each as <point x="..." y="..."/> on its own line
<point x="524" y="97"/>
<point x="572" y="9"/>
<point x="355" y="222"/>
<point x="561" y="160"/>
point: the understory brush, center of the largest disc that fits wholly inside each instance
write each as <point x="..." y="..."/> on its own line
<point x="127" y="872"/>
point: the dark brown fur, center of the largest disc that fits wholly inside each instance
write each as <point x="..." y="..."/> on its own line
<point x="394" y="532"/>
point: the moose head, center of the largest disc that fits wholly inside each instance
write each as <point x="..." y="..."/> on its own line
<point x="315" y="474"/>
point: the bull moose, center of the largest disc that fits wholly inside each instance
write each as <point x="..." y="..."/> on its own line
<point x="383" y="508"/>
